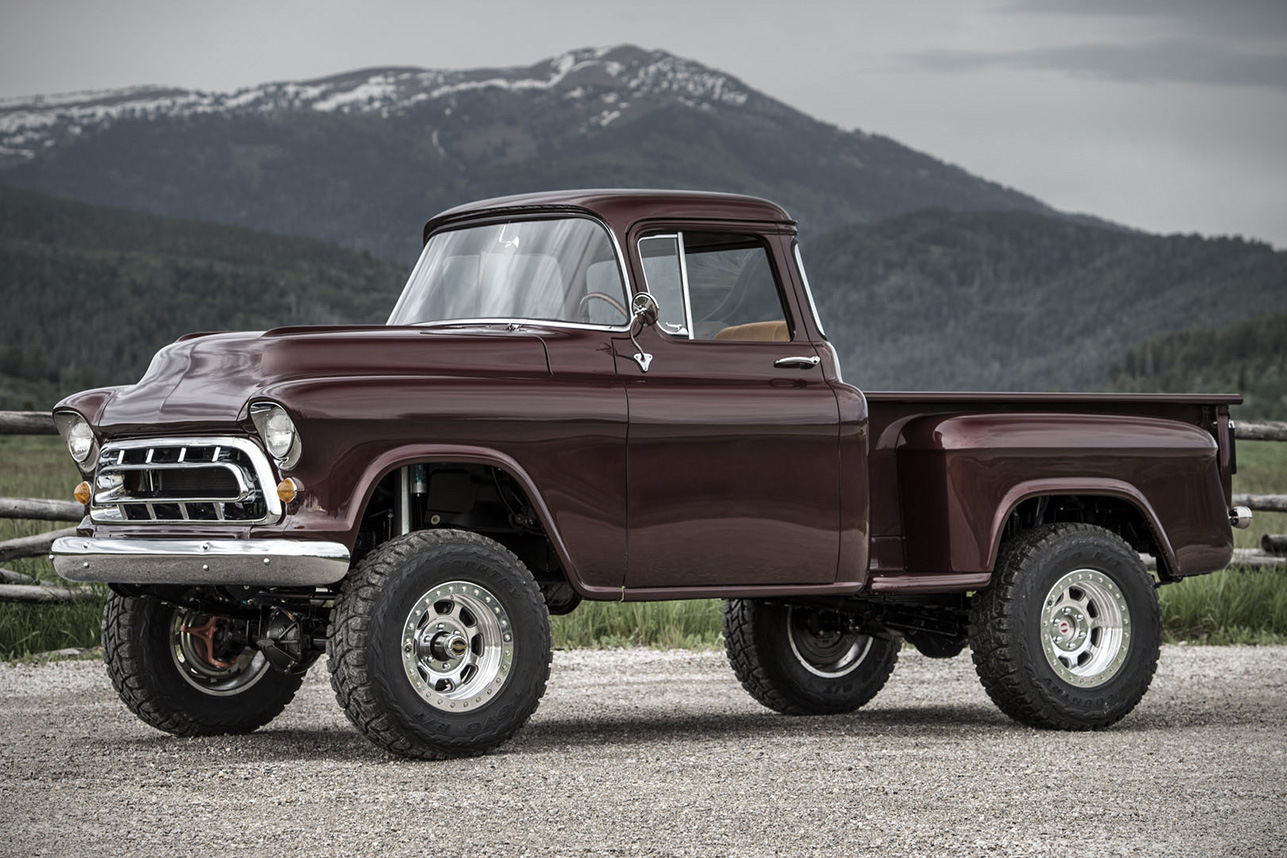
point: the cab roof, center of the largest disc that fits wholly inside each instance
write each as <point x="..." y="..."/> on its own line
<point x="621" y="208"/>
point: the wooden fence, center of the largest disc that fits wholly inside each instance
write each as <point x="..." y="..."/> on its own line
<point x="16" y="587"/>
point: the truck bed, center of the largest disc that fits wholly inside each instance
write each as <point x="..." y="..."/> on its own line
<point x="923" y="484"/>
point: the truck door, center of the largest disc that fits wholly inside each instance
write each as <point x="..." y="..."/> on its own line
<point x="732" y="445"/>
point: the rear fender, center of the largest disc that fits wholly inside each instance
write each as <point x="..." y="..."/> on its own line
<point x="961" y="476"/>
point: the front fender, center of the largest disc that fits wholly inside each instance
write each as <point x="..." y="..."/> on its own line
<point x="563" y="441"/>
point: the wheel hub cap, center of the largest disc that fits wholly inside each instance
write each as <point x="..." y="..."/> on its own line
<point x="210" y="657"/>
<point x="824" y="649"/>
<point x="457" y="646"/>
<point x="1085" y="628"/>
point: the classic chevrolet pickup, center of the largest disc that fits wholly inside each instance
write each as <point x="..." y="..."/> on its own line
<point x="616" y="395"/>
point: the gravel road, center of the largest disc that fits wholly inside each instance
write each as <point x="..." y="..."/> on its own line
<point x="662" y="753"/>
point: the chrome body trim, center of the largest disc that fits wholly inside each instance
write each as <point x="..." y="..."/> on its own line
<point x="262" y="562"/>
<point x="254" y="481"/>
<point x="516" y="324"/>
<point x="808" y="291"/>
<point x="683" y="282"/>
<point x="797" y="362"/>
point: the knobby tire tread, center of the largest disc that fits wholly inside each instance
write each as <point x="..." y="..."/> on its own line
<point x="126" y="623"/>
<point x="379" y="716"/>
<point x="1010" y="673"/>
<point x="754" y="665"/>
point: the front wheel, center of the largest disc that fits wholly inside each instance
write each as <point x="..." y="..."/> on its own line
<point x="801" y="660"/>
<point x="1068" y="635"/>
<point x="439" y="645"/>
<point x="187" y="672"/>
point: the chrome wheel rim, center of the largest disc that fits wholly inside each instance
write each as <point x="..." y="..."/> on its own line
<point x="457" y="646"/>
<point x="1085" y="628"/>
<point x="823" y="652"/>
<point x="205" y="650"/>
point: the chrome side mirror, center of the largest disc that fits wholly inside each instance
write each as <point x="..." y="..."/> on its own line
<point x="644" y="310"/>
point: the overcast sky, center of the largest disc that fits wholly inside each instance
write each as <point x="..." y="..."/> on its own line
<point x="1168" y="115"/>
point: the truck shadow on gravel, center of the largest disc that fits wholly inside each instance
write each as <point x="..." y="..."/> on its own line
<point x="928" y="723"/>
<point x="268" y="745"/>
<point x="345" y="744"/>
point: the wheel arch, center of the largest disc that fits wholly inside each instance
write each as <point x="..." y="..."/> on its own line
<point x="1114" y="505"/>
<point x="390" y="461"/>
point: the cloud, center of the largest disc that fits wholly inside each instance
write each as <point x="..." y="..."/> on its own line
<point x="1246" y="20"/>
<point x="1177" y="60"/>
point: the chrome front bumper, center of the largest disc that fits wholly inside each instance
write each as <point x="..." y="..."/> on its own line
<point x="261" y="562"/>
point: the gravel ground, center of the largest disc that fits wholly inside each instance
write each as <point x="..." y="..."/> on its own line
<point x="662" y="753"/>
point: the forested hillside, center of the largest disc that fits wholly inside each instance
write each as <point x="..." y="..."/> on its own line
<point x="1013" y="301"/>
<point x="1248" y="358"/>
<point x="929" y="300"/>
<point x="90" y="293"/>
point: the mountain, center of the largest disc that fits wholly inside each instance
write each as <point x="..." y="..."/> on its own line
<point x="90" y="292"/>
<point x="364" y="158"/>
<point x="941" y="300"/>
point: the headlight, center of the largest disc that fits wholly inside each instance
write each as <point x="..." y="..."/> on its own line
<point x="278" y="432"/>
<point x="80" y="441"/>
<point x="77" y="434"/>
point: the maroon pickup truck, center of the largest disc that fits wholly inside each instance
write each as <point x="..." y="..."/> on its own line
<point x="616" y="395"/>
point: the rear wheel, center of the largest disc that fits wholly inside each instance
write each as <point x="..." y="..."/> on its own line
<point x="190" y="673"/>
<point x="439" y="645"/>
<point x="801" y="660"/>
<point x="1068" y="635"/>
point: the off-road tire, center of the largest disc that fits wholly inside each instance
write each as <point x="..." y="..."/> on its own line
<point x="1081" y="673"/>
<point x="791" y="671"/>
<point x="388" y="607"/>
<point x="146" y="667"/>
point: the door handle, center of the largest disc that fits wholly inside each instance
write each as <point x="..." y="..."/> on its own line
<point x="797" y="362"/>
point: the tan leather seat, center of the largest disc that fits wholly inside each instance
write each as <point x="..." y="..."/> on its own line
<point x="768" y="332"/>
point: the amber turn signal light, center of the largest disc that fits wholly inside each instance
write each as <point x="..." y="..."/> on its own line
<point x="288" y="490"/>
<point x="82" y="493"/>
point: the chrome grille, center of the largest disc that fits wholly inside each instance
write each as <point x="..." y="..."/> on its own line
<point x="184" y="480"/>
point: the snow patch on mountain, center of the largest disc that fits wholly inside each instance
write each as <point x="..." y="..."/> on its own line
<point x="620" y="76"/>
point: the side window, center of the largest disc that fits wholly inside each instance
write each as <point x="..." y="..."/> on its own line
<point x="661" y="257"/>
<point x="714" y="286"/>
<point x="808" y="292"/>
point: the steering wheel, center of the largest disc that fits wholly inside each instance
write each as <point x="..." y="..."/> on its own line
<point x="583" y="306"/>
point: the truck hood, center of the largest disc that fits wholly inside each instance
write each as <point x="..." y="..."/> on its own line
<point x="210" y="378"/>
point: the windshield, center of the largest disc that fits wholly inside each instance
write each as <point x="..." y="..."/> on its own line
<point x="558" y="270"/>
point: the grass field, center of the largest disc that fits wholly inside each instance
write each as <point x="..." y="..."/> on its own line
<point x="1235" y="606"/>
<point x="39" y="467"/>
<point x="1238" y="606"/>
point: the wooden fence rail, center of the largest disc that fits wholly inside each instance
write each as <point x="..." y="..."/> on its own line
<point x="16" y="587"/>
<point x="26" y="423"/>
<point x="32" y="546"/>
<point x="1262" y="503"/>
<point x="40" y="509"/>
<point x="1265" y="430"/>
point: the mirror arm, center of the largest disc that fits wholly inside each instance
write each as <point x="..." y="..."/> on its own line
<point x="645" y="310"/>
